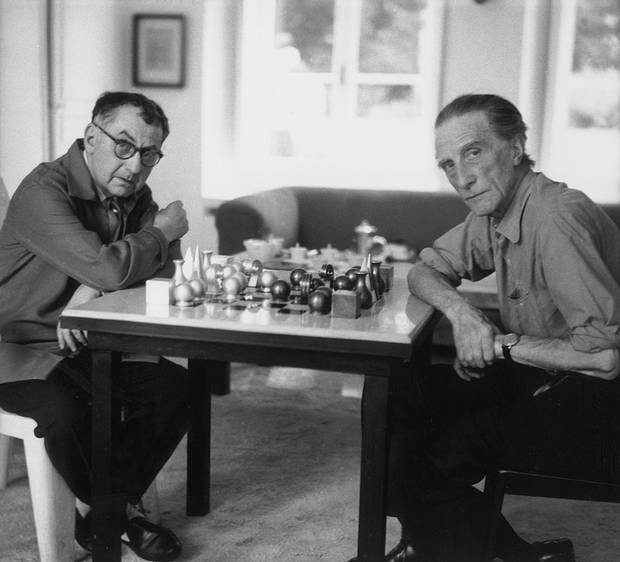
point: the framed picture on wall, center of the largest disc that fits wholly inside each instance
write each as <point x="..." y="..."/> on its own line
<point x="159" y="50"/>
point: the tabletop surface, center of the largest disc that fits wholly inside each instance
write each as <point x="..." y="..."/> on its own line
<point x="395" y="320"/>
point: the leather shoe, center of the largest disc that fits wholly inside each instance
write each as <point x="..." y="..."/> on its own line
<point x="150" y="541"/>
<point x="147" y="540"/>
<point x="556" y="550"/>
<point x="402" y="552"/>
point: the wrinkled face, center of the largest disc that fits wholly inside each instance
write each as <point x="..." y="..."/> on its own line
<point x="482" y="167"/>
<point x="112" y="175"/>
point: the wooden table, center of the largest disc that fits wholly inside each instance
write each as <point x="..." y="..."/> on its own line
<point x="211" y="337"/>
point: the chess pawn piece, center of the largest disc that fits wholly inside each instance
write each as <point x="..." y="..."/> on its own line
<point x="178" y="276"/>
<point x="206" y="261"/>
<point x="319" y="301"/>
<point x="363" y="290"/>
<point x="296" y="276"/>
<point x="352" y="274"/>
<point x="343" y="283"/>
<point x="212" y="277"/>
<point x="266" y="279"/>
<point x="375" y="269"/>
<point x="280" y="290"/>
<point x="231" y="287"/>
<point x="183" y="294"/>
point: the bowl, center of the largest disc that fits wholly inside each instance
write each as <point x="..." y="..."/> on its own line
<point x="261" y="250"/>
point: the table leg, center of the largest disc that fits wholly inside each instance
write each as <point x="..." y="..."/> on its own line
<point x="373" y="478"/>
<point x="220" y="377"/>
<point x="106" y="508"/>
<point x="199" y="437"/>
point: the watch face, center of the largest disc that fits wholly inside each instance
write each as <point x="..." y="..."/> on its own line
<point x="511" y="339"/>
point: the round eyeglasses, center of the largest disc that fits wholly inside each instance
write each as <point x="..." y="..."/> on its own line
<point x="124" y="150"/>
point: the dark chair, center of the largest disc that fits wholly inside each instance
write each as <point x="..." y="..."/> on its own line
<point x="503" y="482"/>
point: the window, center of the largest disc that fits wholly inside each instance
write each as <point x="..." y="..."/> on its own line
<point x="339" y="92"/>
<point x="582" y="141"/>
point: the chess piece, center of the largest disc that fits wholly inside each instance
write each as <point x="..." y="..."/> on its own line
<point x="231" y="287"/>
<point x="243" y="280"/>
<point x="206" y="261"/>
<point x="212" y="277"/>
<point x="352" y="275"/>
<point x="188" y="265"/>
<point x="299" y="254"/>
<point x="228" y="270"/>
<point x="319" y="302"/>
<point x="296" y="276"/>
<point x="326" y="274"/>
<point x="343" y="283"/>
<point x="363" y="290"/>
<point x="305" y="284"/>
<point x="179" y="276"/>
<point x="375" y="269"/>
<point x="280" y="290"/>
<point x="246" y="265"/>
<point x="266" y="279"/>
<point x="184" y="295"/>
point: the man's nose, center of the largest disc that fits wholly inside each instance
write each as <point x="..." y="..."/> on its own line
<point x="464" y="178"/>
<point x="134" y="164"/>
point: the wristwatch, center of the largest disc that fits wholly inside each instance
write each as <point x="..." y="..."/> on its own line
<point x="508" y="342"/>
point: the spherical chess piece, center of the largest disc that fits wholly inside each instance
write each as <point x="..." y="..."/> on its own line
<point x="315" y="283"/>
<point x="257" y="267"/>
<point x="228" y="270"/>
<point x="319" y="302"/>
<point x="198" y="287"/>
<point x="352" y="275"/>
<point x="237" y="265"/>
<point x="231" y="287"/>
<point x="266" y="279"/>
<point x="243" y="280"/>
<point x="280" y="290"/>
<point x="184" y="295"/>
<point x="343" y="283"/>
<point x="296" y="276"/>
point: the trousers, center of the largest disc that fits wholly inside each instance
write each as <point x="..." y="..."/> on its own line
<point x="152" y="399"/>
<point x="446" y="434"/>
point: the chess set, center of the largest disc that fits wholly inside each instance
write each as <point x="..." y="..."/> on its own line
<point x="239" y="284"/>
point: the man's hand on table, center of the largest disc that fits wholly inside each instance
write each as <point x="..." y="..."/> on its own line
<point x="73" y="339"/>
<point x="474" y="339"/>
<point x="172" y="221"/>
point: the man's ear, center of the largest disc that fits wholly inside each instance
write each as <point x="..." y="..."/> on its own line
<point x="89" y="138"/>
<point x="518" y="149"/>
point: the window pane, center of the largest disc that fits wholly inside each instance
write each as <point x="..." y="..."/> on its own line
<point x="387" y="102"/>
<point x="304" y="34"/>
<point x="590" y="147"/>
<point x="390" y="35"/>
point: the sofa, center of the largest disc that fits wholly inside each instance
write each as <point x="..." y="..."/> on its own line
<point x="317" y="216"/>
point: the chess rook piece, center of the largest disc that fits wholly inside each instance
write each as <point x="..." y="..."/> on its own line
<point x="363" y="290"/>
<point x="305" y="285"/>
<point x="179" y="276"/>
<point x="213" y="277"/>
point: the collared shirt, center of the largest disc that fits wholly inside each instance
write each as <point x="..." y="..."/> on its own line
<point x="556" y="256"/>
<point x="57" y="235"/>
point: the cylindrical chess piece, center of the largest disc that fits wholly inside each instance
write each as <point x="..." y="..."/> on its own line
<point x="375" y="268"/>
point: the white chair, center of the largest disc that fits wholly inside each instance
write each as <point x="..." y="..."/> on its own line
<point x="53" y="504"/>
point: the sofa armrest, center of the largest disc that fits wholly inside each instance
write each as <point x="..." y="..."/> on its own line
<point x="273" y="212"/>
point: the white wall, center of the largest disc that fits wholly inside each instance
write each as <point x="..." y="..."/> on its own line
<point x="92" y="53"/>
<point x="23" y="112"/>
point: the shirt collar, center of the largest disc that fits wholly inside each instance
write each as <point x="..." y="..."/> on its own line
<point x="80" y="183"/>
<point x="510" y="224"/>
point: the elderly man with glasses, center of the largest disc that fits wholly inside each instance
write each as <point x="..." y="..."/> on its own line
<point x="76" y="227"/>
